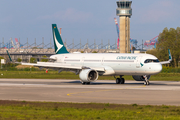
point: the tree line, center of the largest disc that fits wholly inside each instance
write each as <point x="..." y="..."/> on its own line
<point x="168" y="39"/>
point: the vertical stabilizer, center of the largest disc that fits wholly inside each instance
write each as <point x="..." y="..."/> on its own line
<point x="58" y="43"/>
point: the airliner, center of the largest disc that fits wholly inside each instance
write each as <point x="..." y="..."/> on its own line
<point x="90" y="66"/>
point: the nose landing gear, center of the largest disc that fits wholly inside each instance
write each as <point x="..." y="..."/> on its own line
<point x="146" y="81"/>
<point x="120" y="80"/>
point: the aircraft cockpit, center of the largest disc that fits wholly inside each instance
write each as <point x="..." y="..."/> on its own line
<point x="151" y="61"/>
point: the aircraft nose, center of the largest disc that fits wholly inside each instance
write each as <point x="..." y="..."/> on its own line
<point x="158" y="68"/>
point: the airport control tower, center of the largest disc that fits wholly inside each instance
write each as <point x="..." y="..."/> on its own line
<point x="124" y="11"/>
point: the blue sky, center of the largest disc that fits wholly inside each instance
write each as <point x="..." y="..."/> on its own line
<point x="83" y="19"/>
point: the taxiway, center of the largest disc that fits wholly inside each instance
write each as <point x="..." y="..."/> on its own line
<point x="102" y="91"/>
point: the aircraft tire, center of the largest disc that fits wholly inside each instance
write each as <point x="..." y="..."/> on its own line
<point x="88" y="83"/>
<point x="122" y="81"/>
<point x="118" y="80"/>
<point x="83" y="83"/>
<point x="146" y="83"/>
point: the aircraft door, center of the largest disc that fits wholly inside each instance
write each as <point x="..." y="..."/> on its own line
<point x="138" y="62"/>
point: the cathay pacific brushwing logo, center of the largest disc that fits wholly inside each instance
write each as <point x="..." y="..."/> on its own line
<point x="59" y="46"/>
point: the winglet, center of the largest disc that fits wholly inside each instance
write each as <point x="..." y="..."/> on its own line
<point x="58" y="43"/>
<point x="9" y="55"/>
<point x="170" y="58"/>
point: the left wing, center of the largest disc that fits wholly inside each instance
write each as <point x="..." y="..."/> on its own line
<point x="63" y="66"/>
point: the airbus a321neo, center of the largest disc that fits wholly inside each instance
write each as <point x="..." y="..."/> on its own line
<point x="90" y="65"/>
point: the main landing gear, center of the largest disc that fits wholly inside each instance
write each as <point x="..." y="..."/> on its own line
<point x="119" y="80"/>
<point x="146" y="81"/>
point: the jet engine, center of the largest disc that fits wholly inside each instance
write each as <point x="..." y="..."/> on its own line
<point x="88" y="75"/>
<point x="140" y="78"/>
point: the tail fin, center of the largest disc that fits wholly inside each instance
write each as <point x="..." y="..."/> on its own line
<point x="58" y="43"/>
<point x="9" y="55"/>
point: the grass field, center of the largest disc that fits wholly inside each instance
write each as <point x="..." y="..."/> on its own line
<point x="19" y="110"/>
<point x="69" y="75"/>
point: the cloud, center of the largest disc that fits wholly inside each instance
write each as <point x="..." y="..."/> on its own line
<point x="70" y="15"/>
<point x="160" y="11"/>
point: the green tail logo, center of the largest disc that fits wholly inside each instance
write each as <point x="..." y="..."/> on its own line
<point x="58" y="43"/>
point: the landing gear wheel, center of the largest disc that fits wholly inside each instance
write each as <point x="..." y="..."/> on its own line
<point x="145" y="83"/>
<point x="118" y="80"/>
<point x="122" y="81"/>
<point x="148" y="83"/>
<point x="88" y="83"/>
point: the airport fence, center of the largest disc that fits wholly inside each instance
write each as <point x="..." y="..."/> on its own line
<point x="31" y="46"/>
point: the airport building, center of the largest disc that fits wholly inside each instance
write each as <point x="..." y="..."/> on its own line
<point x="124" y="11"/>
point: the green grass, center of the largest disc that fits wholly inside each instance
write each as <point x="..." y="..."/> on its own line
<point x="69" y="75"/>
<point x="13" y="110"/>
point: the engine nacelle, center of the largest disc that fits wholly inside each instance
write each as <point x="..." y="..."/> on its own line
<point x="140" y="78"/>
<point x="88" y="75"/>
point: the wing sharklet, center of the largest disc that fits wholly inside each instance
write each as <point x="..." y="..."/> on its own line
<point x="170" y="58"/>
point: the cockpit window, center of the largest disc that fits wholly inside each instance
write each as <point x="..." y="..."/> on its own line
<point x="151" y="60"/>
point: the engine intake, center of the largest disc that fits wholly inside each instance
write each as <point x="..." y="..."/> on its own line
<point x="88" y="75"/>
<point x="140" y="78"/>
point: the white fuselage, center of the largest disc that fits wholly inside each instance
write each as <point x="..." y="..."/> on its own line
<point x="114" y="63"/>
